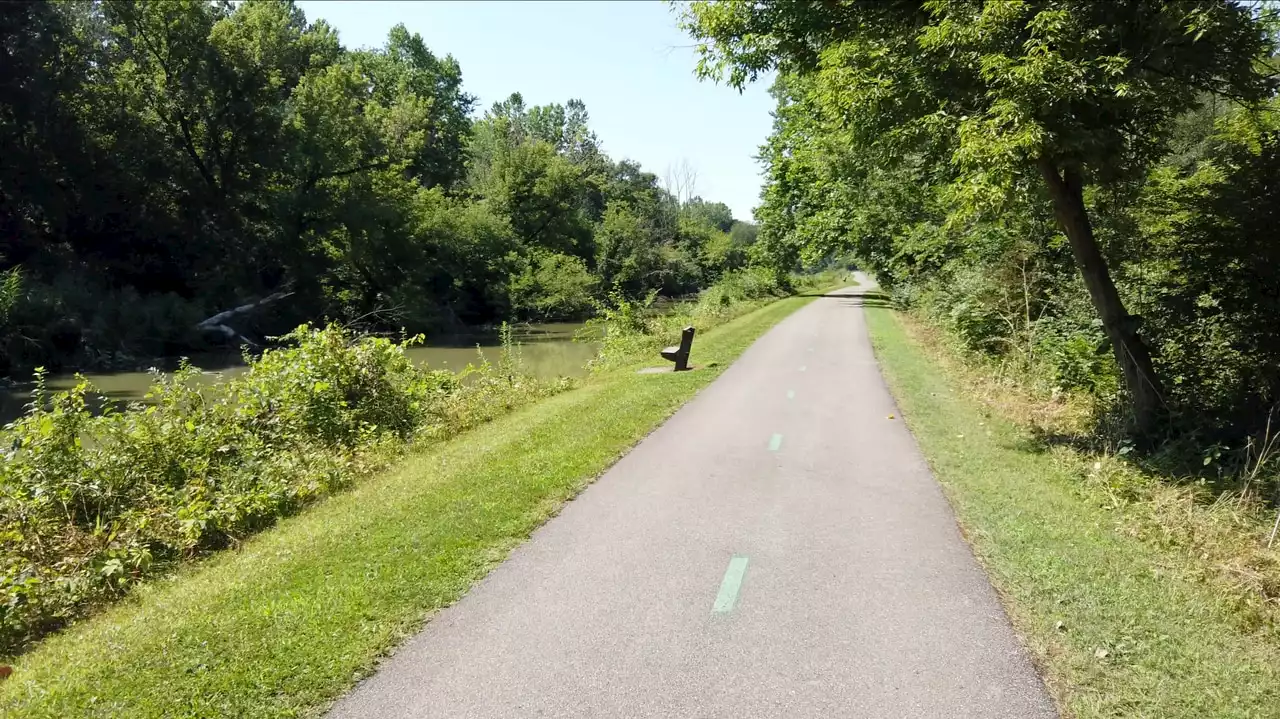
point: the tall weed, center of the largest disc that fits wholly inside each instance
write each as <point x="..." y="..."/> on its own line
<point x="632" y="331"/>
<point x="91" y="504"/>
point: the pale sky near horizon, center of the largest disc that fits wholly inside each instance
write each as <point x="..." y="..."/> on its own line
<point x="627" y="60"/>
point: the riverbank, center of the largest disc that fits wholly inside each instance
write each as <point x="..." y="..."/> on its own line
<point x="294" y="616"/>
<point x="97" y="500"/>
<point x="548" y="351"/>
<point x="1136" y="597"/>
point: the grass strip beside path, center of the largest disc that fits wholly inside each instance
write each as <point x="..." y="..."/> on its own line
<point x="1115" y="632"/>
<point x="285" y="625"/>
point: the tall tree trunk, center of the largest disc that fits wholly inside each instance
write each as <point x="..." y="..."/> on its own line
<point x="1146" y="395"/>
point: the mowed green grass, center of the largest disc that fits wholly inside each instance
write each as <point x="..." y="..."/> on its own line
<point x="1113" y="632"/>
<point x="285" y="625"/>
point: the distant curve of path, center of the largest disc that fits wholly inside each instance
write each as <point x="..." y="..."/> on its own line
<point x="778" y="548"/>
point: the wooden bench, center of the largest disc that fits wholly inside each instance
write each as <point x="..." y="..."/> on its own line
<point x="680" y="354"/>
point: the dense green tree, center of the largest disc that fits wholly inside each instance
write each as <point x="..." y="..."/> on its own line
<point x="553" y="286"/>
<point x="743" y="234"/>
<point x="713" y="214"/>
<point x="628" y="258"/>
<point x="541" y="194"/>
<point x="1052" y="96"/>
<point x="627" y="183"/>
<point x="405" y="68"/>
<point x="35" y="128"/>
<point x="165" y="161"/>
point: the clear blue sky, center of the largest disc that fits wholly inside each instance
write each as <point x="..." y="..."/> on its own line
<point x="627" y="61"/>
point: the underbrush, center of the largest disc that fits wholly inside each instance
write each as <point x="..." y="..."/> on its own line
<point x="1214" y="508"/>
<point x="91" y="504"/>
<point x="631" y="331"/>
<point x="1217" y="427"/>
<point x="77" y="320"/>
<point x="1209" y="485"/>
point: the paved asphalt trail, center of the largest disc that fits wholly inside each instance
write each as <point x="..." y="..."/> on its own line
<point x="778" y="548"/>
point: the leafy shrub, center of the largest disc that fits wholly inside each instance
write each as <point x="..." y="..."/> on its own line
<point x="968" y="304"/>
<point x="1204" y="279"/>
<point x="553" y="287"/>
<point x="1075" y="357"/>
<point x="89" y="505"/>
<point x="622" y="326"/>
<point x="634" y="332"/>
<point x="330" y="389"/>
<point x="741" y="285"/>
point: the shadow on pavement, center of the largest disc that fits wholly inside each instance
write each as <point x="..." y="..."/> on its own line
<point x="870" y="299"/>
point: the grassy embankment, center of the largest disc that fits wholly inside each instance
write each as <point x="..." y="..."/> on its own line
<point x="286" y="623"/>
<point x="1137" y="596"/>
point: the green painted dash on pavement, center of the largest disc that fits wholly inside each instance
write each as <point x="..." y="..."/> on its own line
<point x="791" y="394"/>
<point x="775" y="442"/>
<point x="729" y="587"/>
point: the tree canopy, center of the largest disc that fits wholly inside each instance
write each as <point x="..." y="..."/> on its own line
<point x="166" y="161"/>
<point x="1004" y="142"/>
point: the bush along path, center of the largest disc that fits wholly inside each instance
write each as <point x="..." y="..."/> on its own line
<point x="286" y="621"/>
<point x="91" y="504"/>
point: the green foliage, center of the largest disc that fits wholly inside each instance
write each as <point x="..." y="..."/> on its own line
<point x="540" y="193"/>
<point x="191" y="157"/>
<point x="622" y="326"/>
<point x="739" y="286"/>
<point x="293" y="619"/>
<point x="91" y="504"/>
<point x="10" y="294"/>
<point x="1066" y="347"/>
<point x="627" y="258"/>
<point x="1003" y="82"/>
<point x="711" y="214"/>
<point x="743" y="234"/>
<point x="1079" y="191"/>
<point x="721" y="253"/>
<point x="553" y="286"/>
<point x="1204" y="278"/>
<point x="633" y="331"/>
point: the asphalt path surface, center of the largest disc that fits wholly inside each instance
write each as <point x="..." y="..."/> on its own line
<point x="778" y="548"/>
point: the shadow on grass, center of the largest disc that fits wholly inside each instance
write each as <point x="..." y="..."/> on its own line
<point x="1179" y="458"/>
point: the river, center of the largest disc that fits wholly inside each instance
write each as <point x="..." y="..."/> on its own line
<point x="547" y="350"/>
